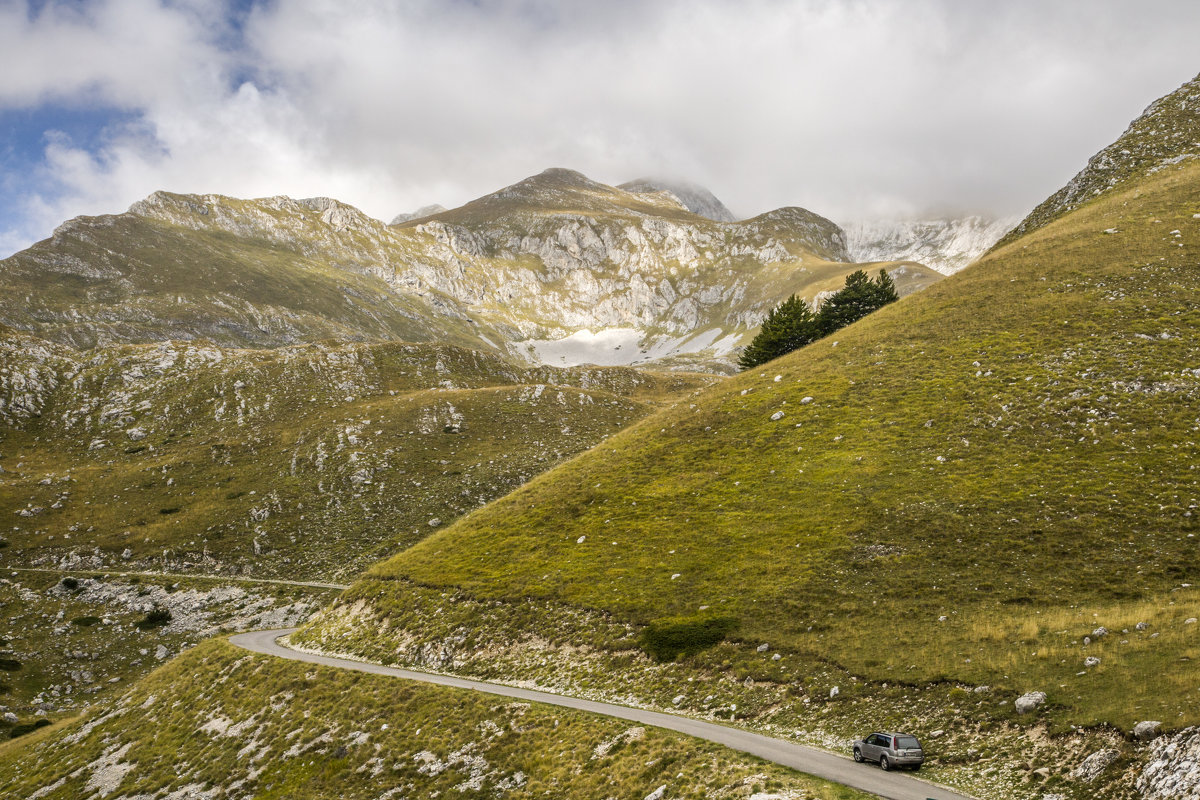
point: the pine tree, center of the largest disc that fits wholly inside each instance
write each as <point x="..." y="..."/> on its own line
<point x="788" y="326"/>
<point x="792" y="324"/>
<point x="860" y="297"/>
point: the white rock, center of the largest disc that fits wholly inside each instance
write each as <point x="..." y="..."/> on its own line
<point x="161" y="652"/>
<point x="677" y="699"/>
<point x="1029" y="701"/>
<point x="834" y="692"/>
<point x="1141" y="626"/>
<point x="776" y="657"/>
<point x="1091" y="767"/>
<point x="658" y="794"/>
<point x="805" y="400"/>
<point x="764" y="647"/>
<point x="581" y="540"/>
<point x="1173" y="768"/>
<point x="126" y="554"/>
<point x="778" y="415"/>
<point x="1147" y="730"/>
<point x="1091" y="661"/>
<point x="1100" y="632"/>
<point x="778" y="378"/>
<point x="1190" y="621"/>
<point x="433" y="523"/>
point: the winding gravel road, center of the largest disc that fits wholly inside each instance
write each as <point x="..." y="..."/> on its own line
<point x="866" y="777"/>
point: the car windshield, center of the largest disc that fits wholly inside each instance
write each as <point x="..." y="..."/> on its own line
<point x="907" y="742"/>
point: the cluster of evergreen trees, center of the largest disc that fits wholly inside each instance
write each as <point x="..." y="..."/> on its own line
<point x="793" y="324"/>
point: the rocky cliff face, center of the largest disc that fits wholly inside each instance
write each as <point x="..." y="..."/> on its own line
<point x="946" y="245"/>
<point x="551" y="257"/>
<point x="1166" y="133"/>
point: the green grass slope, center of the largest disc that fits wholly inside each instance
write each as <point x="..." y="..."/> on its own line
<point x="218" y="722"/>
<point x="306" y="462"/>
<point x="955" y="491"/>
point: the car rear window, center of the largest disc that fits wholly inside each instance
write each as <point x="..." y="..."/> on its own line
<point x="907" y="742"/>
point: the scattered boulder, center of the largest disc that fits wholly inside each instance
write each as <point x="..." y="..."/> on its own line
<point x="1091" y="661"/>
<point x="161" y="652"/>
<point x="677" y="699"/>
<point x="764" y="647"/>
<point x="1141" y="626"/>
<point x="1190" y="621"/>
<point x="1091" y="767"/>
<point x="778" y="415"/>
<point x="834" y="692"/>
<point x="1100" y="632"/>
<point x="1029" y="701"/>
<point x="658" y="794"/>
<point x="1146" y="730"/>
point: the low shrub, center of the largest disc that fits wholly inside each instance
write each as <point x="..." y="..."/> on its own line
<point x="10" y="664"/>
<point x="155" y="618"/>
<point x="671" y="637"/>
<point x="70" y="583"/>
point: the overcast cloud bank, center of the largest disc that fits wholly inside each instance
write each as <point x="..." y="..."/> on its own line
<point x="851" y="109"/>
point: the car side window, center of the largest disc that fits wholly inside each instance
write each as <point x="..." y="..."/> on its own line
<point x="875" y="738"/>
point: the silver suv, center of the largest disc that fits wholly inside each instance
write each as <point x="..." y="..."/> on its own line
<point x="890" y="750"/>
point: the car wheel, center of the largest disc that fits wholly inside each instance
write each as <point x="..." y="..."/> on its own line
<point x="858" y="755"/>
<point x="916" y="768"/>
<point x="884" y="764"/>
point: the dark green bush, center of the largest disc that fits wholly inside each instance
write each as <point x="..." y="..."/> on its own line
<point x="27" y="727"/>
<point x="671" y="637"/>
<point x="10" y="664"/>
<point x="71" y="584"/>
<point x="156" y="618"/>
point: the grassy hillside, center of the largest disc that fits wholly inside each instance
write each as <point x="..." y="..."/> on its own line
<point x="308" y="462"/>
<point x="961" y="488"/>
<point x="220" y="722"/>
<point x="241" y="274"/>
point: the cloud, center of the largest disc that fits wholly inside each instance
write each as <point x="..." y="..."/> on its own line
<point x="849" y="108"/>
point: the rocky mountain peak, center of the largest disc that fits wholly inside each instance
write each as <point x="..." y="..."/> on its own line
<point x="694" y="198"/>
<point x="1166" y="133"/>
<point x="420" y="213"/>
<point x="946" y="245"/>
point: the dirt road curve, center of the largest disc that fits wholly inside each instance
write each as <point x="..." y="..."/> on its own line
<point x="866" y="777"/>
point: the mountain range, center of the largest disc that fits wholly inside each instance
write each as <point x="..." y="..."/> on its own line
<point x="554" y="269"/>
<point x="969" y="515"/>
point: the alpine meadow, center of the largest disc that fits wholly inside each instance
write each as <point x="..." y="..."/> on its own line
<point x="614" y="444"/>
